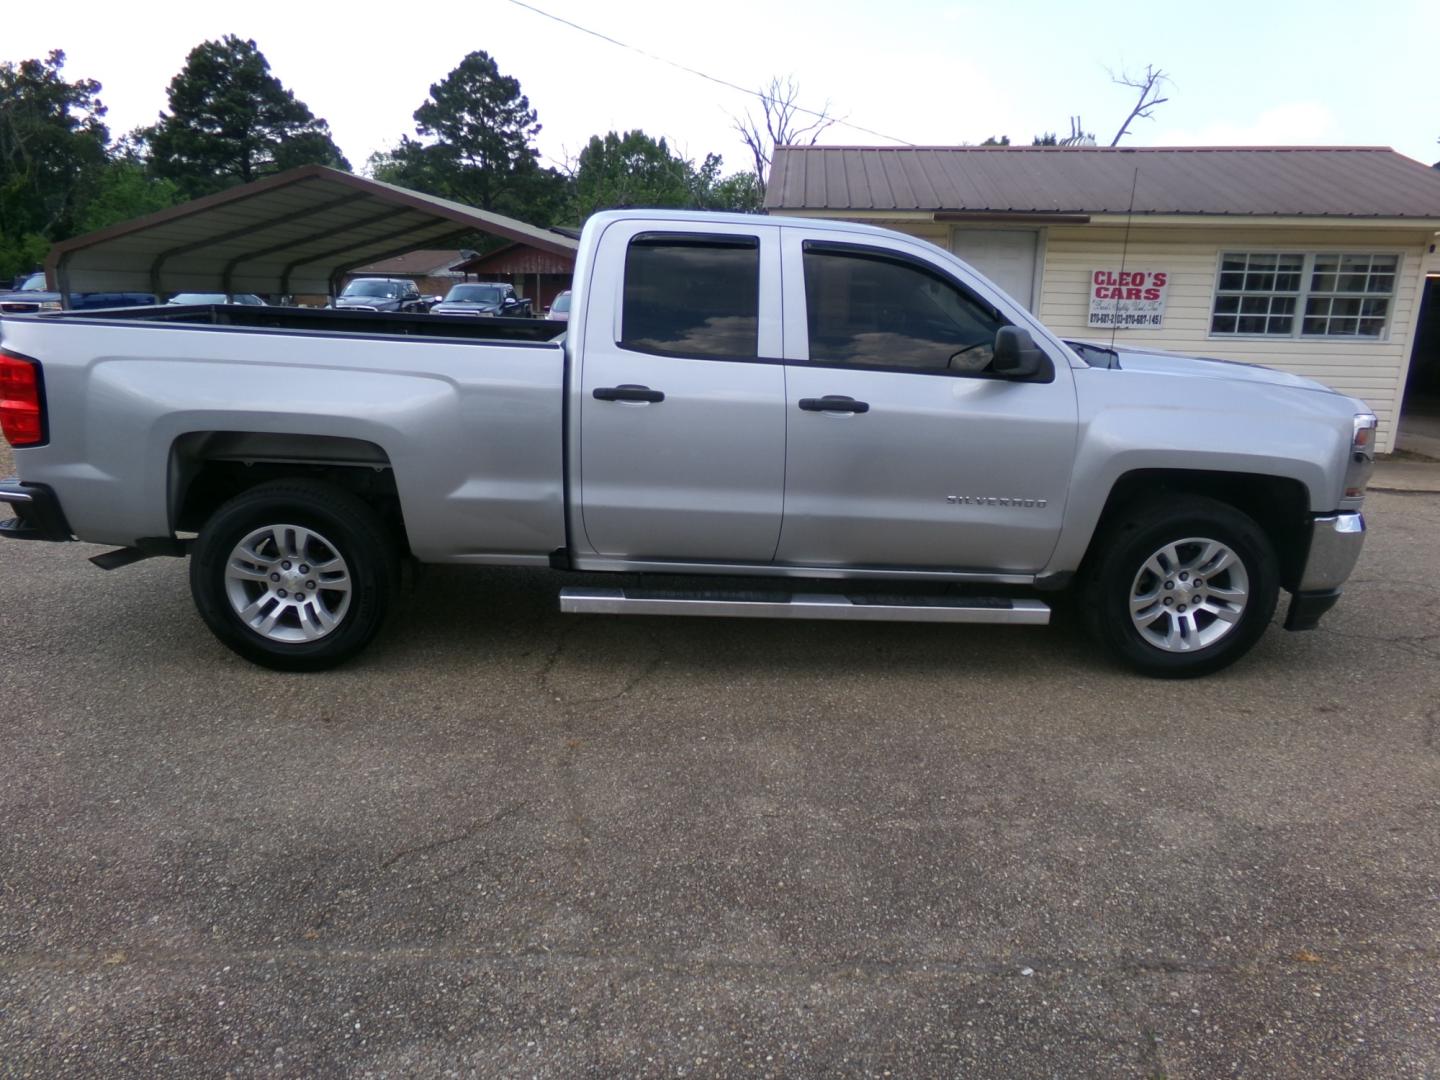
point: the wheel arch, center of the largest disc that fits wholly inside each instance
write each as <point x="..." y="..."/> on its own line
<point x="1279" y="505"/>
<point x="206" y="468"/>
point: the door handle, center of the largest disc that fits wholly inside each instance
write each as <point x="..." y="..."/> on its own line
<point x="834" y="403"/>
<point x="628" y="392"/>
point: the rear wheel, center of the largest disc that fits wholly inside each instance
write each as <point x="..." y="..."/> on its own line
<point x="294" y="574"/>
<point x="1182" y="588"/>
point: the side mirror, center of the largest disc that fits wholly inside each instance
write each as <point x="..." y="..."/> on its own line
<point x="1018" y="357"/>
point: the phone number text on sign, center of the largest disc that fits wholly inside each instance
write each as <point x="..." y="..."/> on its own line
<point x="1128" y="298"/>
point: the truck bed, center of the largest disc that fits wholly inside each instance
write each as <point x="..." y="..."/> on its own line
<point x="466" y="414"/>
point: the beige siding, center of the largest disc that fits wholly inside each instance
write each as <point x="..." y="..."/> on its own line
<point x="1373" y="371"/>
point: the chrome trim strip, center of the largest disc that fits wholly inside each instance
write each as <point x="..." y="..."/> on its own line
<point x="586" y="601"/>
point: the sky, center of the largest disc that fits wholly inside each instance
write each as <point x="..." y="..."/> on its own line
<point x="925" y="72"/>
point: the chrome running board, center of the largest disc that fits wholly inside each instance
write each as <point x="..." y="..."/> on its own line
<point x="859" y="607"/>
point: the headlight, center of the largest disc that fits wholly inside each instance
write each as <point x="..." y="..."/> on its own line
<point x="1362" y="456"/>
<point x="50" y="305"/>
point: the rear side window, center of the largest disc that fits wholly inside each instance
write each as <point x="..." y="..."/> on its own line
<point x="692" y="296"/>
<point x="877" y="311"/>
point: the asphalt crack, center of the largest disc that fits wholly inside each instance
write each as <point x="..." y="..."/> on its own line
<point x="470" y="831"/>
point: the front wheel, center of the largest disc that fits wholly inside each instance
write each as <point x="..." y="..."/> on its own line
<point x="1182" y="588"/>
<point x="294" y="575"/>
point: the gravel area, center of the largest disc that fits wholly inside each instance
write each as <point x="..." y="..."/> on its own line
<point x="507" y="842"/>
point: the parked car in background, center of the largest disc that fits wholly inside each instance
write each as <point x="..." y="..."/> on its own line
<point x="559" y="310"/>
<point x="484" y="298"/>
<point x="32" y="295"/>
<point x="247" y="298"/>
<point x="382" y="294"/>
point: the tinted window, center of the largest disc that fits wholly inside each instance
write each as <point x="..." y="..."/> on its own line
<point x="692" y="296"/>
<point x="876" y="311"/>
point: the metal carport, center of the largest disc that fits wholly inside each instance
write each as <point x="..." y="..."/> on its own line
<point x="297" y="232"/>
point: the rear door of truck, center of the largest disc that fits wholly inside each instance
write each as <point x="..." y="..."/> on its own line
<point x="682" y="403"/>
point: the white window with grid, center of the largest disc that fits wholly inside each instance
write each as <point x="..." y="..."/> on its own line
<point x="1296" y="294"/>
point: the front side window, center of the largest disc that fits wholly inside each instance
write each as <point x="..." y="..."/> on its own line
<point x="692" y="296"/>
<point x="873" y="310"/>
<point x="1311" y="295"/>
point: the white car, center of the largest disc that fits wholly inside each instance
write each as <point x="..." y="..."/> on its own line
<point x="249" y="299"/>
<point x="559" y="309"/>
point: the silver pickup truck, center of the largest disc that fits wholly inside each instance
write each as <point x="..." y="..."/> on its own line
<point x="748" y="416"/>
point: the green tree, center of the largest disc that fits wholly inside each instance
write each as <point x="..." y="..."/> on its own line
<point x="740" y="192"/>
<point x="231" y="121"/>
<point x="125" y="190"/>
<point x="631" y="170"/>
<point x="635" y="170"/>
<point x="1003" y="140"/>
<point x="52" y="147"/>
<point x="479" y="128"/>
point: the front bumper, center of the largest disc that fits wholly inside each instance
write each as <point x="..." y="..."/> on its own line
<point x="37" y="513"/>
<point x="1335" y="543"/>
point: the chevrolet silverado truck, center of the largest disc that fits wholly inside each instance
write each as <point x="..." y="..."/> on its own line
<point x="746" y="416"/>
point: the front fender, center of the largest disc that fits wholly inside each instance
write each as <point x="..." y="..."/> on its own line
<point x="1203" y="425"/>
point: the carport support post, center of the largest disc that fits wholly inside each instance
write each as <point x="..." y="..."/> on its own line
<point x="62" y="280"/>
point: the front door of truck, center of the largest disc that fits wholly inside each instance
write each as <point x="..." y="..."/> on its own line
<point x="682" y="394"/>
<point x="904" y="449"/>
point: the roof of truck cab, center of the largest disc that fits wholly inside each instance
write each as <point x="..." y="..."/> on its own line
<point x="711" y="217"/>
<point x="296" y="232"/>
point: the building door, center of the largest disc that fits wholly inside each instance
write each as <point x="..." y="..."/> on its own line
<point x="1005" y="256"/>
<point x="1420" y="411"/>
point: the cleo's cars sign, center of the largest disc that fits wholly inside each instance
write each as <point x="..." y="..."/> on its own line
<point x="1128" y="298"/>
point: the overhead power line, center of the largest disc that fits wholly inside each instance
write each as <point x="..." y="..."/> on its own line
<point x="703" y="75"/>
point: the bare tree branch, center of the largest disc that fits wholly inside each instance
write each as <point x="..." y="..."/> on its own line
<point x="781" y="123"/>
<point x="1149" y="86"/>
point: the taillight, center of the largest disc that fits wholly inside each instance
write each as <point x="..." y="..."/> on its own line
<point x="22" y="401"/>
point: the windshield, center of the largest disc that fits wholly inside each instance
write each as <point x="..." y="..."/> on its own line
<point x="34" y="283"/>
<point x="475" y="294"/>
<point x="371" y="288"/>
<point x="562" y="302"/>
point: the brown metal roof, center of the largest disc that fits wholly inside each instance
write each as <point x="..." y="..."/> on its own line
<point x="518" y="259"/>
<point x="295" y="232"/>
<point x="1351" y="181"/>
<point x="428" y="262"/>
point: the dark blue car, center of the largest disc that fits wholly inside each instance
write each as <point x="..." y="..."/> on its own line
<point x="32" y="295"/>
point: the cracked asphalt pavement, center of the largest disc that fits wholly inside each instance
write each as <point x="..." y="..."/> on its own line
<point x="512" y="842"/>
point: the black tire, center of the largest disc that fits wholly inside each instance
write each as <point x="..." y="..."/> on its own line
<point x="1119" y="557"/>
<point x="349" y="527"/>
